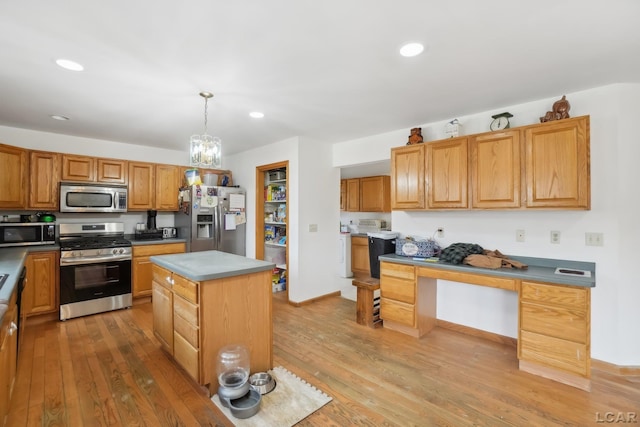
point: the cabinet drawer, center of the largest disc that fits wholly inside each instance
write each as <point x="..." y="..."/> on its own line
<point x="569" y="296"/>
<point x="185" y="288"/>
<point x="558" y="322"/>
<point x="162" y="276"/>
<point x="554" y="352"/>
<point x="163" y="249"/>
<point x="397" y="312"/>
<point x="400" y="271"/>
<point x="186" y="356"/>
<point x="186" y="330"/>
<point x="398" y="289"/>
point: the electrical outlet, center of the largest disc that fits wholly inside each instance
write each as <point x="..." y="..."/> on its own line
<point x="555" y="237"/>
<point x="313" y="228"/>
<point x="594" y="239"/>
<point x="519" y="235"/>
<point x="440" y="232"/>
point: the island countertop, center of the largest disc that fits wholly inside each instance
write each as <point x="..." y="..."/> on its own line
<point x="210" y="265"/>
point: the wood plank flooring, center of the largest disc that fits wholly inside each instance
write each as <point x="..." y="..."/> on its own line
<point x="108" y="370"/>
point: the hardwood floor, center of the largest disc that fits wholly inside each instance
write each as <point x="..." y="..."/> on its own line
<point x="108" y="370"/>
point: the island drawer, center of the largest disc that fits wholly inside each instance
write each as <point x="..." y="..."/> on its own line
<point x="186" y="355"/>
<point x="185" y="320"/>
<point x="185" y="288"/>
<point x="162" y="276"/>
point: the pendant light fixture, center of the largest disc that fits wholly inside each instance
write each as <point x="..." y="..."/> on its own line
<point x="206" y="150"/>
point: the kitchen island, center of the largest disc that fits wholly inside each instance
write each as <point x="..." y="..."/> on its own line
<point x="203" y="301"/>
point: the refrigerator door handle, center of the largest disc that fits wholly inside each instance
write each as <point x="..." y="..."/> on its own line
<point x="218" y="227"/>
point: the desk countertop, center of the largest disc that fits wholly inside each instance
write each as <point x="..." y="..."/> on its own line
<point x="210" y="265"/>
<point x="539" y="269"/>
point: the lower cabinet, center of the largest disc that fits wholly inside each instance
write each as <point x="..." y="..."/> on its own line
<point x="555" y="327"/>
<point x="8" y="356"/>
<point x="163" y="312"/>
<point x="398" y="294"/>
<point x="42" y="281"/>
<point x="141" y="265"/>
<point x="360" y="256"/>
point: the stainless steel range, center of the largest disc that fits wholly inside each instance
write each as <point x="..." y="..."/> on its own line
<point x="95" y="269"/>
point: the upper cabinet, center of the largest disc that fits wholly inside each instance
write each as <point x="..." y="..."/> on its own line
<point x="558" y="164"/>
<point x="494" y="163"/>
<point x="407" y="177"/>
<point x="91" y="169"/>
<point x="153" y="186"/>
<point x="368" y="194"/>
<point x="13" y="179"/>
<point x="544" y="165"/>
<point x="446" y="174"/>
<point x="44" y="173"/>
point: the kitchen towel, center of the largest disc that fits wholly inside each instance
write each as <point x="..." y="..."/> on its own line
<point x="291" y="401"/>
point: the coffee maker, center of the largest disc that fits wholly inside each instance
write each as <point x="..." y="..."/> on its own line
<point x="151" y="219"/>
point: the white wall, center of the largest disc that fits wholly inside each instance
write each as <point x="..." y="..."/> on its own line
<point x="614" y="207"/>
<point x="312" y="199"/>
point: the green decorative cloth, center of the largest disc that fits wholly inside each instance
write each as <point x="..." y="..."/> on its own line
<point x="455" y="253"/>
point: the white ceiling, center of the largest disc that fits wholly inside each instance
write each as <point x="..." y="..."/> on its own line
<point x="327" y="70"/>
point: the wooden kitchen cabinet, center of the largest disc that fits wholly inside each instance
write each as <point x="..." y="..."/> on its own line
<point x="408" y="177"/>
<point x="91" y="169"/>
<point x="558" y="164"/>
<point x="447" y="174"/>
<point x="44" y="173"/>
<point x="8" y="355"/>
<point x="163" y="310"/>
<point x="555" y="329"/>
<point x="360" y="256"/>
<point x="141" y="265"/>
<point x="494" y="164"/>
<point x="353" y="195"/>
<point x="153" y="186"/>
<point x="375" y="194"/>
<point x="13" y="179"/>
<point x="343" y="194"/>
<point x="40" y="294"/>
<point x="397" y="294"/>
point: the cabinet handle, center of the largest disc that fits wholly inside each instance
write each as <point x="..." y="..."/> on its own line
<point x="12" y="328"/>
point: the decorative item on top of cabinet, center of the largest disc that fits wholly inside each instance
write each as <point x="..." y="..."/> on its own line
<point x="415" y="137"/>
<point x="559" y="111"/>
<point x="13" y="179"/>
<point x="452" y="128"/>
<point x="500" y="121"/>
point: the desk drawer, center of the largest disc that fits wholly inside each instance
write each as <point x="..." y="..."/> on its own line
<point x="398" y="289"/>
<point x="554" y="352"/>
<point x="397" y="312"/>
<point x="558" y="322"/>
<point x="400" y="271"/>
<point x="568" y="296"/>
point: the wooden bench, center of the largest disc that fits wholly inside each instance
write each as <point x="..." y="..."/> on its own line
<point x="367" y="308"/>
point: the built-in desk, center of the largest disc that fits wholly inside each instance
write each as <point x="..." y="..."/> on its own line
<point x="554" y="311"/>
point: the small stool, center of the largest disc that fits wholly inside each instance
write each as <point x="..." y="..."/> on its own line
<point x="367" y="307"/>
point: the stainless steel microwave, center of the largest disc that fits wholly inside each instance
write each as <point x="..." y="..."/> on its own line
<point x="27" y="233"/>
<point x="76" y="197"/>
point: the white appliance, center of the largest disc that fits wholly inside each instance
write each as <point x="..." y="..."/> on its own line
<point x="344" y="255"/>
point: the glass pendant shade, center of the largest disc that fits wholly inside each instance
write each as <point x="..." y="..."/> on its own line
<point x="205" y="150"/>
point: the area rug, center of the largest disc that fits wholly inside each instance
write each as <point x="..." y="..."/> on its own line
<point x="291" y="401"/>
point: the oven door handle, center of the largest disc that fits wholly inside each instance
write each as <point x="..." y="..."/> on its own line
<point x="94" y="260"/>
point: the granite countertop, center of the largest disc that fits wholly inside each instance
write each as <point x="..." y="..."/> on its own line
<point x="11" y="262"/>
<point x="539" y="269"/>
<point x="210" y="265"/>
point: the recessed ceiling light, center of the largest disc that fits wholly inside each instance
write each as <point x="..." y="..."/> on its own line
<point x="256" y="114"/>
<point x="58" y="117"/>
<point x="411" y="49"/>
<point x="69" y="65"/>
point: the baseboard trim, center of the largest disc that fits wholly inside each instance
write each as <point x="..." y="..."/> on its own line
<point x="312" y="300"/>
<point x="467" y="330"/>
<point x="625" y="371"/>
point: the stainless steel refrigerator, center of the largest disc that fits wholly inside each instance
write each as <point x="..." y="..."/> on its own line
<point x="212" y="218"/>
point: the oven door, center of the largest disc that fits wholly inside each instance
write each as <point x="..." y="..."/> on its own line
<point x="84" y="282"/>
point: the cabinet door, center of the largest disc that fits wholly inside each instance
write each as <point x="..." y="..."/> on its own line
<point x="407" y="177"/>
<point x="343" y="194"/>
<point x="78" y="168"/>
<point x="44" y="172"/>
<point x="141" y="194"/>
<point x="375" y="194"/>
<point x="13" y="179"/>
<point x="360" y="255"/>
<point x="167" y="183"/>
<point x="447" y="174"/>
<point x="495" y="170"/>
<point x="163" y="315"/>
<point x="111" y="170"/>
<point x="557" y="164"/>
<point x="142" y="274"/>
<point x="353" y="195"/>
<point x="41" y="290"/>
